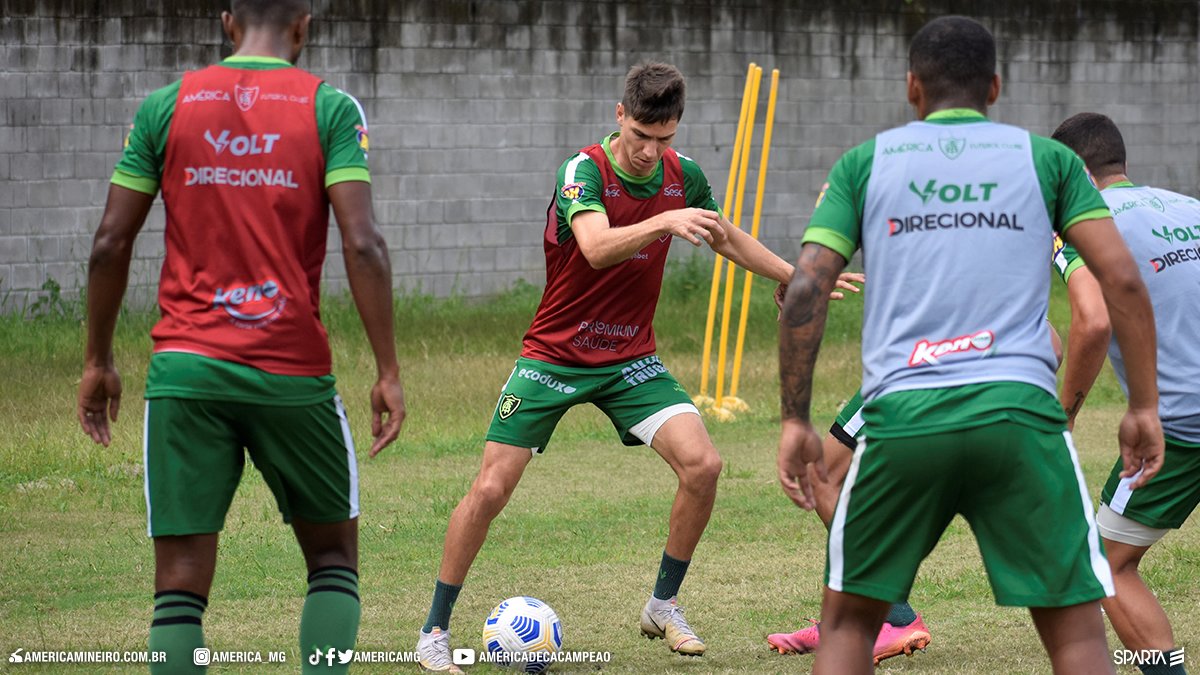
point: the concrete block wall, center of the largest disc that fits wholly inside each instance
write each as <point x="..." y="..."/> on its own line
<point x="472" y="106"/>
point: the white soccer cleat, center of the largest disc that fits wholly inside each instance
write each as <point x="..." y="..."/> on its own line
<point x="433" y="648"/>
<point x="664" y="619"/>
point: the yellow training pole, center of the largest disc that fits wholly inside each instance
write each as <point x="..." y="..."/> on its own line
<point x="758" y="199"/>
<point x="739" y="192"/>
<point x="702" y="399"/>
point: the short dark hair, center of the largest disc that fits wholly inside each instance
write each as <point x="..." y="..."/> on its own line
<point x="274" y="13"/>
<point x="654" y="93"/>
<point x="955" y="59"/>
<point x="1097" y="140"/>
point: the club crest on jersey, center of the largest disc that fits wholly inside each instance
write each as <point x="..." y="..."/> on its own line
<point x="821" y="196"/>
<point x="927" y="353"/>
<point x="245" y="97"/>
<point x="509" y="405"/>
<point x="952" y="147"/>
<point x="573" y="191"/>
<point x="363" y="140"/>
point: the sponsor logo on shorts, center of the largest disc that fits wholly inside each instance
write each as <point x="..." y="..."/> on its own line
<point x="673" y="190"/>
<point x="245" y="97"/>
<point x="251" y="306"/>
<point x="926" y="352"/>
<point x="508" y="405"/>
<point x="643" y="370"/>
<point x="542" y="378"/>
<point x="206" y="96"/>
<point x="573" y="191"/>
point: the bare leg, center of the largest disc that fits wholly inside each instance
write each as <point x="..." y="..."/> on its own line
<point x="1135" y="614"/>
<point x="684" y="443"/>
<point x="185" y="563"/>
<point x="502" y="468"/>
<point x="328" y="544"/>
<point x="849" y="624"/>
<point x="1074" y="638"/>
<point x="837" y="463"/>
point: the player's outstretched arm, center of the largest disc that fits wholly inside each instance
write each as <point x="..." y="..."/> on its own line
<point x="108" y="275"/>
<point x="605" y="246"/>
<point x="1087" y="341"/>
<point x="1132" y="318"/>
<point x="800" y="332"/>
<point x="750" y="254"/>
<point x="370" y="273"/>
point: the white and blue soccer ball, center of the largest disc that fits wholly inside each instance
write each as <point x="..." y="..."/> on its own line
<point x="522" y="633"/>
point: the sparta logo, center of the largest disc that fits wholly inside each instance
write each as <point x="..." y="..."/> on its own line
<point x="572" y="191"/>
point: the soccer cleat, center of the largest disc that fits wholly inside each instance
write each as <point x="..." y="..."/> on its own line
<point x="664" y="619"/>
<point x="897" y="640"/>
<point x="433" y="650"/>
<point x="803" y="641"/>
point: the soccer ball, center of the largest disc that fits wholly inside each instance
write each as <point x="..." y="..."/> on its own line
<point x="522" y="633"/>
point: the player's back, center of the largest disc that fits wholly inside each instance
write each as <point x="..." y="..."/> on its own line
<point x="954" y="236"/>
<point x="1162" y="230"/>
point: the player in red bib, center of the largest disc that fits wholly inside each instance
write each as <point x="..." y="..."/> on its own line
<point x="617" y="206"/>
<point x="249" y="154"/>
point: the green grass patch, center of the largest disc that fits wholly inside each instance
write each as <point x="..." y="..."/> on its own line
<point x="584" y="530"/>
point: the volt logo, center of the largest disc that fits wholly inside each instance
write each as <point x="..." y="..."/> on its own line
<point x="239" y="146"/>
<point x="951" y="193"/>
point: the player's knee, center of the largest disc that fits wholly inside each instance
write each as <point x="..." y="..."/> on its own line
<point x="488" y="496"/>
<point x="702" y="475"/>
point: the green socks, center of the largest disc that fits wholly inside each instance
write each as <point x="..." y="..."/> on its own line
<point x="329" y="622"/>
<point x="670" y="576"/>
<point x="901" y="614"/>
<point x="175" y="630"/>
<point x="444" y="596"/>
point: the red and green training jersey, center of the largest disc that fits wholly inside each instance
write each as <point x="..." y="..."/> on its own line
<point x="591" y="317"/>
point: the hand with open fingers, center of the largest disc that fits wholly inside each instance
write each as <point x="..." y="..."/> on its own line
<point x="696" y="225"/>
<point x="780" y="294"/>
<point x="387" y="398"/>
<point x="99" y="401"/>
<point x="1141" y="438"/>
<point x="799" y="448"/>
<point x="846" y="281"/>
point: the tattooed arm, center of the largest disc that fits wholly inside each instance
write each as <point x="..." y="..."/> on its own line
<point x="1087" y="341"/>
<point x="801" y="328"/>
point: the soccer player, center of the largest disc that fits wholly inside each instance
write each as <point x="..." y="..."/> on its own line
<point x="249" y="154"/>
<point x="953" y="213"/>
<point x="617" y="206"/>
<point x="903" y="629"/>
<point x="1160" y="228"/>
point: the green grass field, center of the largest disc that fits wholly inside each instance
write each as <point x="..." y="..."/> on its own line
<point x="584" y="530"/>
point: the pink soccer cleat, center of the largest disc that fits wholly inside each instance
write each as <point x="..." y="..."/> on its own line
<point x="897" y="640"/>
<point x="803" y="641"/>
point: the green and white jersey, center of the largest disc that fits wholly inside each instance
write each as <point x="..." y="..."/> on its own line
<point x="581" y="173"/>
<point x="953" y="214"/>
<point x="1162" y="229"/>
<point x="342" y="127"/>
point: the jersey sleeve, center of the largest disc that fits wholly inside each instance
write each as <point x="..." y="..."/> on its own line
<point x="141" y="165"/>
<point x="578" y="189"/>
<point x="342" y="126"/>
<point x="1065" y="258"/>
<point x="836" y="221"/>
<point x="1070" y="195"/>
<point x="696" y="186"/>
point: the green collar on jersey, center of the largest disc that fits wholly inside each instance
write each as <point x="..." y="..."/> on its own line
<point x="955" y="116"/>
<point x="621" y="173"/>
<point x="236" y="61"/>
<point x="1121" y="183"/>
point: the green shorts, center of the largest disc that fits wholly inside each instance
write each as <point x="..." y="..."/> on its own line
<point x="1168" y="499"/>
<point x="195" y="451"/>
<point x="1020" y="489"/>
<point x="849" y="423"/>
<point x="537" y="394"/>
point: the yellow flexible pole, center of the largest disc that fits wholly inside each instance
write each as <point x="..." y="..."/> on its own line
<point x="739" y="199"/>
<point x="714" y="291"/>
<point x="758" y="202"/>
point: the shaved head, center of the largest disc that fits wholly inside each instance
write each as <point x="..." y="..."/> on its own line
<point x="269" y="13"/>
